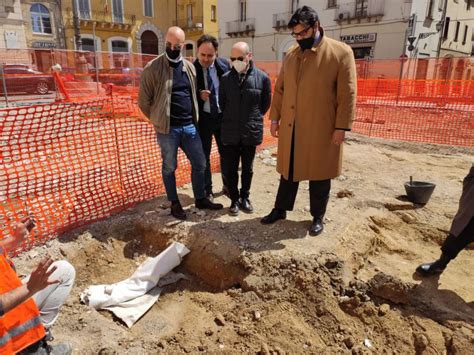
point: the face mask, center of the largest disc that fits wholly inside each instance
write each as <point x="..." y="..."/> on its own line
<point x="239" y="65"/>
<point x="306" y="43"/>
<point x="174" y="55"/>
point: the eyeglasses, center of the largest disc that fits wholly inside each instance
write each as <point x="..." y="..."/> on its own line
<point x="301" y="33"/>
<point x="232" y="59"/>
<point x="176" y="46"/>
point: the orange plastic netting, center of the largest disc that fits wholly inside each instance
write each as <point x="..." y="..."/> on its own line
<point x="73" y="162"/>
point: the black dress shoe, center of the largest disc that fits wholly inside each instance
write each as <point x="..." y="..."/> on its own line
<point x="430" y="269"/>
<point x="205" y="204"/>
<point x="245" y="205"/>
<point x="177" y="211"/>
<point x="317" y="227"/>
<point x="274" y="216"/>
<point x="210" y="197"/>
<point x="234" y="208"/>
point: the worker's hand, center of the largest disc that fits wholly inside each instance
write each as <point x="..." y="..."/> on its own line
<point x="22" y="229"/>
<point x="274" y="128"/>
<point x="338" y="136"/>
<point x="205" y="95"/>
<point x="39" y="277"/>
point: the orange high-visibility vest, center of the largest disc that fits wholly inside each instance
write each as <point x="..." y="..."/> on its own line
<point x="20" y="327"/>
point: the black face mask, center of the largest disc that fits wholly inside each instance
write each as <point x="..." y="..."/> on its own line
<point x="173" y="53"/>
<point x="307" y="43"/>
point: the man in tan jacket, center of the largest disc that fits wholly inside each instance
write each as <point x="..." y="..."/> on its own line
<point x="167" y="96"/>
<point x="313" y="105"/>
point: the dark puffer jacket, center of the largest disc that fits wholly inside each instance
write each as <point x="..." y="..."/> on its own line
<point x="244" y="105"/>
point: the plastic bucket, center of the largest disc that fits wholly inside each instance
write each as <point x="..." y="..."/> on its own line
<point x="419" y="192"/>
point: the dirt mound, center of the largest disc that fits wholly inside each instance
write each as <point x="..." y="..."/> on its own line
<point x="276" y="290"/>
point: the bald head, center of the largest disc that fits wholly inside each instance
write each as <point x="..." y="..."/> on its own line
<point x="240" y="49"/>
<point x="175" y="36"/>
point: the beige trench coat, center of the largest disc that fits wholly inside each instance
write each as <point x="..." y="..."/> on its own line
<point x="315" y="93"/>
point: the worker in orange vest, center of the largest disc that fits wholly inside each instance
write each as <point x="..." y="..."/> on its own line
<point x="29" y="307"/>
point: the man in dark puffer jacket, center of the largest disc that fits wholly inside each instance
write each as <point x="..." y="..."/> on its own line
<point x="244" y="98"/>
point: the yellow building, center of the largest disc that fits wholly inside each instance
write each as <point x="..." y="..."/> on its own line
<point x="196" y="17"/>
<point x="136" y="26"/>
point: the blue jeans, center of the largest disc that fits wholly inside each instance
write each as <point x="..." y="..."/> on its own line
<point x="187" y="138"/>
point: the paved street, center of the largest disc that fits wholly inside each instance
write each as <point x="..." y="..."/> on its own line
<point x="27" y="100"/>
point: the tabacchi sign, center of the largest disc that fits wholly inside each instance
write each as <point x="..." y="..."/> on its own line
<point x="360" y="38"/>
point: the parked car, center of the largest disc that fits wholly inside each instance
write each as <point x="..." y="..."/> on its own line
<point x="118" y="76"/>
<point x="22" y="79"/>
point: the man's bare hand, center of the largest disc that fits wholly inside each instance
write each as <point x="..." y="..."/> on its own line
<point x="39" y="277"/>
<point x="274" y="128"/>
<point x="338" y="137"/>
<point x="205" y="95"/>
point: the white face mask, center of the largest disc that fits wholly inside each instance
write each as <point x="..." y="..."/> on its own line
<point x="239" y="65"/>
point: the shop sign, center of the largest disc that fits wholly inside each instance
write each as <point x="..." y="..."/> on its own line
<point x="43" y="44"/>
<point x="359" y="38"/>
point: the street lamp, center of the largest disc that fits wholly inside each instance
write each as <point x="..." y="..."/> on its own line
<point x="439" y="26"/>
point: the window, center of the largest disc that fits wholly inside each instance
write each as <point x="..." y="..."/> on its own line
<point x="213" y="13"/>
<point x="295" y="4"/>
<point x="117" y="8"/>
<point x="456" y="34"/>
<point x="429" y="9"/>
<point x="243" y="10"/>
<point x="119" y="46"/>
<point x="88" y="44"/>
<point x="189" y="15"/>
<point x="332" y="3"/>
<point x="148" y="8"/>
<point x="84" y="9"/>
<point x="40" y="19"/>
<point x="361" y="8"/>
<point x="464" y="38"/>
<point x="446" y="28"/>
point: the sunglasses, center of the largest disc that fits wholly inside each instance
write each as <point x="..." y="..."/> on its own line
<point x="176" y="46"/>
<point x="232" y="59"/>
<point x="301" y="33"/>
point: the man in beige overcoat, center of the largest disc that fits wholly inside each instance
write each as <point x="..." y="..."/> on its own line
<point x="313" y="106"/>
<point x="461" y="232"/>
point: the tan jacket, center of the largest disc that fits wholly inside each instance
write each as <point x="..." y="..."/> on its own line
<point x="156" y="85"/>
<point x="466" y="205"/>
<point x="315" y="94"/>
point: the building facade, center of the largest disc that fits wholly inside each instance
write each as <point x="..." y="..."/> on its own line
<point x="12" y="29"/>
<point x="196" y="17"/>
<point x="375" y="29"/>
<point x="119" y="26"/>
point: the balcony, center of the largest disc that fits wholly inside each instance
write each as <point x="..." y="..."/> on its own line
<point x="190" y="24"/>
<point x="240" y="28"/>
<point x="280" y="21"/>
<point x="103" y="19"/>
<point x="361" y="9"/>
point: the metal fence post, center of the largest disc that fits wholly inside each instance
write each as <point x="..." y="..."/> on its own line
<point x="4" y="84"/>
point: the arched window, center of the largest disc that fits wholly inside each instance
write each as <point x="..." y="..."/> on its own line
<point x="40" y="19"/>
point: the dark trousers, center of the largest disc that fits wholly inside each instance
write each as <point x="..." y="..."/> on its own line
<point x="211" y="127"/>
<point x="453" y="245"/>
<point x="233" y="155"/>
<point x="288" y="189"/>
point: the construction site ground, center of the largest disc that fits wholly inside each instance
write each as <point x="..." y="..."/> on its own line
<point x="275" y="289"/>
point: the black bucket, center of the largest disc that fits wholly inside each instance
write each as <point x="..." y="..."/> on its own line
<point x="419" y="192"/>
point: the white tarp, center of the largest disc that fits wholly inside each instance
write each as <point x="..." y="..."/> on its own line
<point x="131" y="298"/>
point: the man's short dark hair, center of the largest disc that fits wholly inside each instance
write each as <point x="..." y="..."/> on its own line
<point x="208" y="39"/>
<point x="304" y="15"/>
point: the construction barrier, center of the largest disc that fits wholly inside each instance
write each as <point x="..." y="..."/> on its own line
<point x="94" y="154"/>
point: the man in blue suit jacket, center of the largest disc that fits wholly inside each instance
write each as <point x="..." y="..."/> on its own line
<point x="209" y="70"/>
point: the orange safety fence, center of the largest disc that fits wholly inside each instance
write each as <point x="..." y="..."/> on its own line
<point x="76" y="161"/>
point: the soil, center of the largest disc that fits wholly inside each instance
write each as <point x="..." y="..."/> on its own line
<point x="275" y="289"/>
